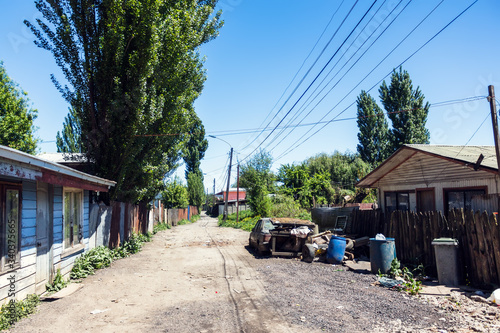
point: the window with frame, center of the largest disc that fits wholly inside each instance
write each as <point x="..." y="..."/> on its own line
<point x="73" y="217"/>
<point x="396" y="201"/>
<point x="461" y="198"/>
<point x="10" y="206"/>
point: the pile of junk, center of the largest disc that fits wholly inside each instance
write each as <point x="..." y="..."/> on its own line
<point x="289" y="237"/>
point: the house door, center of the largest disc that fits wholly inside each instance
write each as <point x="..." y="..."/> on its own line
<point x="426" y="201"/>
<point x="43" y="214"/>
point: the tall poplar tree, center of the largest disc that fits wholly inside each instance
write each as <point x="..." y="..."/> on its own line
<point x="406" y="110"/>
<point x="373" y="131"/>
<point x="69" y="140"/>
<point x="133" y="72"/>
<point x="193" y="153"/>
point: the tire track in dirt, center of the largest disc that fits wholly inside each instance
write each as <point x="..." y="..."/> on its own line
<point x="254" y="311"/>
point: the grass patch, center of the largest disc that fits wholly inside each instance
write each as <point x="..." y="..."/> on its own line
<point x="194" y="218"/>
<point x="246" y="222"/>
<point x="14" y="311"/>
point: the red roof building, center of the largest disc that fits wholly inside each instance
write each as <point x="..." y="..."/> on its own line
<point x="232" y="195"/>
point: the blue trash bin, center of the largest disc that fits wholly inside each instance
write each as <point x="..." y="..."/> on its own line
<point x="382" y="253"/>
<point x="336" y="250"/>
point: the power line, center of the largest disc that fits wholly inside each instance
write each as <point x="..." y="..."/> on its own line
<point x="305" y="75"/>
<point x="305" y="60"/>
<point x="291" y="148"/>
<point x="473" y="134"/>
<point x="314" y="80"/>
<point x="338" y="81"/>
<point x="256" y="130"/>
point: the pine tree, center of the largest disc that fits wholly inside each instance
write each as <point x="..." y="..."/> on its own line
<point x="406" y="109"/>
<point x="373" y="131"/>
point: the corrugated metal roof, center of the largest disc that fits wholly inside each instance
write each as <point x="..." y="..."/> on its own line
<point x="431" y="163"/>
<point x="66" y="158"/>
<point x="468" y="154"/>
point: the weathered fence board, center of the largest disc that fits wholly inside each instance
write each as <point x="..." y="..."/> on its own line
<point x="478" y="235"/>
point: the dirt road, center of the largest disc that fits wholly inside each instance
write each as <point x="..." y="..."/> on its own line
<point x="192" y="278"/>
<point x="202" y="278"/>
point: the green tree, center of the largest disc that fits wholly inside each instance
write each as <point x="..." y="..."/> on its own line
<point x="175" y="194"/>
<point x="16" y="116"/>
<point x="258" y="180"/>
<point x="195" y="147"/>
<point x="133" y="72"/>
<point x="406" y="110"/>
<point x="196" y="192"/>
<point x="70" y="139"/>
<point x="344" y="169"/>
<point x="373" y="131"/>
<point x="193" y="153"/>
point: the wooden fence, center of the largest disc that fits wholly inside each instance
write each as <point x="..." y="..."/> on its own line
<point x="112" y="225"/>
<point x="478" y="235"/>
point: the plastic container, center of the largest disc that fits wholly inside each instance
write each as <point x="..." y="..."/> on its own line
<point x="336" y="250"/>
<point x="382" y="253"/>
<point x="446" y="251"/>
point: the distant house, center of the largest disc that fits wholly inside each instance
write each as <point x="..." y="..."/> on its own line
<point x="234" y="200"/>
<point x="437" y="177"/>
<point x="45" y="220"/>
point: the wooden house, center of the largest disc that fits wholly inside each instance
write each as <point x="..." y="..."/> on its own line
<point x="44" y="220"/>
<point x="437" y="177"/>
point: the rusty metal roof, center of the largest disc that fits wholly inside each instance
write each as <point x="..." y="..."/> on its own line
<point x="435" y="157"/>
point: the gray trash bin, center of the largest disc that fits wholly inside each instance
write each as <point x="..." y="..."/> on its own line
<point x="446" y="250"/>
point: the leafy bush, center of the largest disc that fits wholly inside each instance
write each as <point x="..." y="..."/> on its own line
<point x="102" y="256"/>
<point x="58" y="283"/>
<point x="409" y="284"/>
<point x="195" y="218"/>
<point x="88" y="262"/>
<point x="14" y="311"/>
<point x="247" y="220"/>
<point x="160" y="227"/>
<point x="286" y="206"/>
<point x="183" y="222"/>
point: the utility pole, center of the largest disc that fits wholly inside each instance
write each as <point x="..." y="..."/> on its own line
<point x="493" y="108"/>
<point x="228" y="181"/>
<point x="237" y="192"/>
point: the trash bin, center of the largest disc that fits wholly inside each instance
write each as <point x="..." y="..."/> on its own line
<point x="446" y="251"/>
<point x="382" y="253"/>
<point x="336" y="250"/>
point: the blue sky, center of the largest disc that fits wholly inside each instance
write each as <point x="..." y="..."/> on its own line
<point x="262" y="46"/>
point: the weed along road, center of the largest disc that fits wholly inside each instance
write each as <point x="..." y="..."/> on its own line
<point x="192" y="278"/>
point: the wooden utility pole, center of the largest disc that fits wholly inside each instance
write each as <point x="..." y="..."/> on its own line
<point x="228" y="181"/>
<point x="237" y="192"/>
<point x="493" y="108"/>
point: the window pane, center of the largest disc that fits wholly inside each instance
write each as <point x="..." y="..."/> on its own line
<point x="12" y="227"/>
<point x="455" y="200"/>
<point x="77" y="225"/>
<point x="403" y="201"/>
<point x="468" y="197"/>
<point x="67" y="219"/>
<point x="390" y="202"/>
